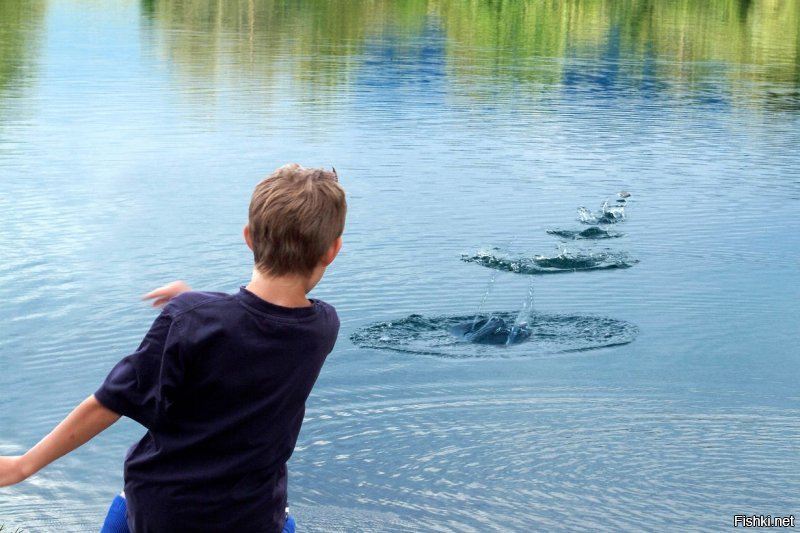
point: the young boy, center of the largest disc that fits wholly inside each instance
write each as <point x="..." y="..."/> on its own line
<point x="220" y="381"/>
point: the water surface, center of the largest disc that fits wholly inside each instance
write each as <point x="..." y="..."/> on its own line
<point x="132" y="133"/>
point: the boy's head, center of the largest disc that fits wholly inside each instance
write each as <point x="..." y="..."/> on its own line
<point x="295" y="215"/>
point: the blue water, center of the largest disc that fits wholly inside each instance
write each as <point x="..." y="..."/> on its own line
<point x="129" y="145"/>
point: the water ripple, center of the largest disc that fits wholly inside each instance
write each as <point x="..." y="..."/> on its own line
<point x="587" y="459"/>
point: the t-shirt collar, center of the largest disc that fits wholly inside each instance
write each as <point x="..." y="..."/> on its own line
<point x="263" y="306"/>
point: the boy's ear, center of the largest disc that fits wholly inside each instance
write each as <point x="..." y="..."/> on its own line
<point x="247" y="236"/>
<point x="330" y="255"/>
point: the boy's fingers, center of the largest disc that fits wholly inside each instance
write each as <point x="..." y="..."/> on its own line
<point x="151" y="294"/>
<point x="161" y="302"/>
<point x="158" y="300"/>
<point x="167" y="292"/>
<point x="161" y="291"/>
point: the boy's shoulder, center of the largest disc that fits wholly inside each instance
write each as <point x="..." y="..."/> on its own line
<point x="206" y="302"/>
<point x="187" y="301"/>
<point x="198" y="315"/>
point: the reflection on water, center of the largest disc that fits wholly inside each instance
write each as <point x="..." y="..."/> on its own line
<point x="646" y="47"/>
<point x="20" y="36"/>
<point x="132" y="133"/>
<point x="18" y="39"/>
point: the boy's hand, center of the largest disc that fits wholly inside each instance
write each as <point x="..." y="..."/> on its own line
<point x="162" y="295"/>
<point x="10" y="471"/>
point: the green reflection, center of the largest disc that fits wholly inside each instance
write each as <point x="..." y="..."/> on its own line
<point x="683" y="42"/>
<point x="206" y="36"/>
<point x="19" y="36"/>
<point x="746" y="44"/>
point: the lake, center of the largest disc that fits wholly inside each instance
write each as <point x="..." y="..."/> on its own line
<point x="660" y="393"/>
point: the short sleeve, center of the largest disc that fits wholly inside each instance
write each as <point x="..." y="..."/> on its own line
<point x="143" y="385"/>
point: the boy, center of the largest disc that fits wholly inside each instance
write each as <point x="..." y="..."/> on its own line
<point x="220" y="381"/>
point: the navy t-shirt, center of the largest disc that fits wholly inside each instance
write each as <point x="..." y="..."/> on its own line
<point x="220" y="382"/>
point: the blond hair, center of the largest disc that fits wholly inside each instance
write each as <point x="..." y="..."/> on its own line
<point x="295" y="215"/>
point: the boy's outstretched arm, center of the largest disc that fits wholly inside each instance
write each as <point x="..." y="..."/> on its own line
<point x="80" y="426"/>
<point x="83" y="423"/>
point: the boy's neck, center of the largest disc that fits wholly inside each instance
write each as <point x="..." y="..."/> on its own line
<point x="285" y="291"/>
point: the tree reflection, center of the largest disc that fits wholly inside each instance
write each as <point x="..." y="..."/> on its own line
<point x="546" y="44"/>
<point x="19" y="34"/>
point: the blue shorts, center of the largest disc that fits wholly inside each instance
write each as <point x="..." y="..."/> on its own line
<point x="117" y="518"/>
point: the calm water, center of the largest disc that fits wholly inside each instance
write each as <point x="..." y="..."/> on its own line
<point x="131" y="135"/>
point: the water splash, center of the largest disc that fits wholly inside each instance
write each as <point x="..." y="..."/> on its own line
<point x="592" y="232"/>
<point x="564" y="261"/>
<point x="446" y="336"/>
<point x="492" y="279"/>
<point x="606" y="215"/>
<point x="493" y="330"/>
<point x="523" y="318"/>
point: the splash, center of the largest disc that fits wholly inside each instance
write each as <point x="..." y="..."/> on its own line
<point x="607" y="214"/>
<point x="493" y="330"/>
<point x="454" y="336"/>
<point x="612" y="214"/>
<point x="592" y="232"/>
<point x="519" y="330"/>
<point x="565" y="261"/>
